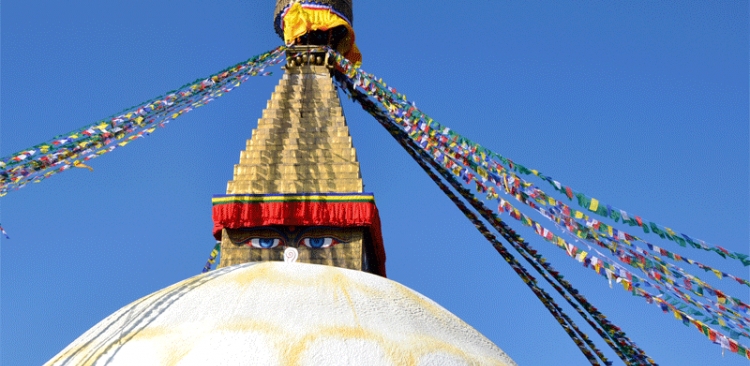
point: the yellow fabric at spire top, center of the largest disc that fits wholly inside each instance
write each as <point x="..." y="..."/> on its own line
<point x="299" y="20"/>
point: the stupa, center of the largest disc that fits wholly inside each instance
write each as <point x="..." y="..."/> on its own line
<point x="301" y="278"/>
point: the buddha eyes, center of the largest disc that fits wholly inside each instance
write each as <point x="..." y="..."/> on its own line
<point x="264" y="243"/>
<point x="319" y="243"/>
<point x="314" y="243"/>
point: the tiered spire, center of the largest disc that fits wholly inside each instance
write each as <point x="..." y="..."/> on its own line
<point x="302" y="143"/>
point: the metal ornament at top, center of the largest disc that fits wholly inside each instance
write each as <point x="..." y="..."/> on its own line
<point x="342" y="7"/>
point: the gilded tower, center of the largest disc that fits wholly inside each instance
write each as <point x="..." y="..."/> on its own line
<point x="298" y="183"/>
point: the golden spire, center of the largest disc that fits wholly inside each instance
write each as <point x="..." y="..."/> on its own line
<point x="302" y="143"/>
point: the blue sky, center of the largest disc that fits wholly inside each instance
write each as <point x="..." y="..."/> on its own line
<point x="643" y="105"/>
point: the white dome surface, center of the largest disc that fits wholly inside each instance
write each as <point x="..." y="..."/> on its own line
<point x="276" y="313"/>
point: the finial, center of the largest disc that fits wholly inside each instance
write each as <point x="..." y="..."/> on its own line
<point x="316" y="24"/>
<point x="342" y="8"/>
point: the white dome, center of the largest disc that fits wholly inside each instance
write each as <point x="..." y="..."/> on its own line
<point x="276" y="313"/>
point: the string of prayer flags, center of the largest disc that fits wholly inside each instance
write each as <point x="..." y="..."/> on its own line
<point x="212" y="257"/>
<point x="73" y="149"/>
<point x="573" y="220"/>
<point x="569" y="326"/>
<point x="632" y="258"/>
<point x="381" y="116"/>
<point x="492" y="174"/>
<point x="421" y="126"/>
<point x="418" y="125"/>
<point x="4" y="232"/>
<point x="638" y="256"/>
<point x="626" y="278"/>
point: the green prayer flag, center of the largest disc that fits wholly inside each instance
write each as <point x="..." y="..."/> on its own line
<point x="614" y="215"/>
<point x="692" y="243"/>
<point x="522" y="169"/>
<point x="656" y="230"/>
<point x="583" y="201"/>
<point x="743" y="258"/>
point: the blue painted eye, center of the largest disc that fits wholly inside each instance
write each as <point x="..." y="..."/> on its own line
<point x="319" y="243"/>
<point x="264" y="243"/>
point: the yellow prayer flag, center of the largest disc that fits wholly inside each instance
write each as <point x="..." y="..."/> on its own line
<point x="717" y="273"/>
<point x="581" y="256"/>
<point x="578" y="214"/>
<point x="78" y="164"/>
<point x="594" y="204"/>
<point x="627" y="285"/>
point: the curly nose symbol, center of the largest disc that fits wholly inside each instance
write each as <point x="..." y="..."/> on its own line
<point x="290" y="255"/>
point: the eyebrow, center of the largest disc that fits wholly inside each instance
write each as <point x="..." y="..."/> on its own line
<point x="334" y="232"/>
<point x="243" y="236"/>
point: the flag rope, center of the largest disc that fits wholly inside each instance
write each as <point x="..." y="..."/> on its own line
<point x="409" y="119"/>
<point x="634" y="258"/>
<point x="580" y="338"/>
<point x="71" y="149"/>
<point x="393" y="101"/>
<point x="589" y="229"/>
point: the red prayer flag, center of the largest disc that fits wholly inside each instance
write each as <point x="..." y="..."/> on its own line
<point x="569" y="192"/>
<point x="733" y="346"/>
